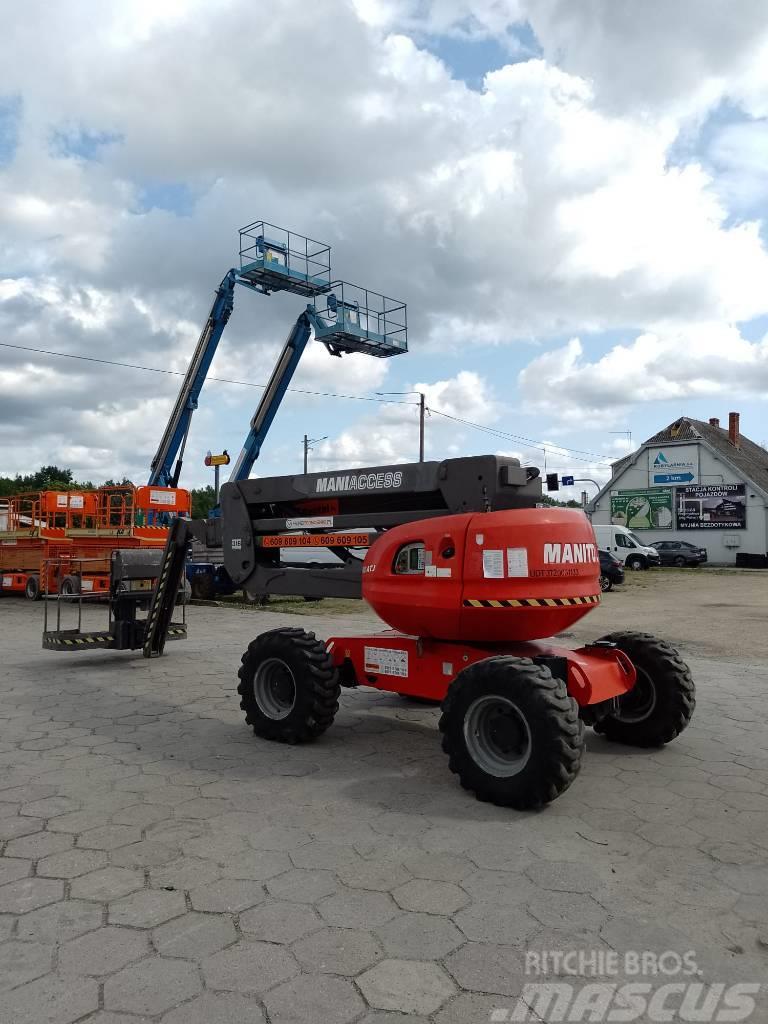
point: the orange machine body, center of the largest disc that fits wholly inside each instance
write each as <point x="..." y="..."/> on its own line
<point x="461" y="588"/>
<point x="512" y="575"/>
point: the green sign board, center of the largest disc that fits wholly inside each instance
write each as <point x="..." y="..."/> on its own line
<point x="642" y="510"/>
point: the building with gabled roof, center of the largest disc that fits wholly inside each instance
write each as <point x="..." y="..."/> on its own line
<point x="696" y="482"/>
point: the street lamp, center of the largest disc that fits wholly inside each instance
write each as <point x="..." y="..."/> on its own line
<point x="308" y="442"/>
<point x="422" y="410"/>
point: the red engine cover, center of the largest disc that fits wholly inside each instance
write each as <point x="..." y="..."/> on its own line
<point x="494" y="576"/>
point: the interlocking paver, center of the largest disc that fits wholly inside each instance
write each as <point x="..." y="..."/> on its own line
<point x="302" y="886"/>
<point x="419" y="936"/>
<point x="23" y="961"/>
<point x="277" y="921"/>
<point x="216" y="1008"/>
<point x="431" y="897"/>
<point x="102" y="951"/>
<point x="147" y="908"/>
<point x="486" y="967"/>
<point x="314" y="999"/>
<point x="249" y="967"/>
<point x="109" y="837"/>
<point x="52" y="999"/>
<point x="358" y="908"/>
<point x="409" y="986"/>
<point x="344" y="951"/>
<point x="194" y="936"/>
<point x="71" y="863"/>
<point x="14" y="868"/>
<point x="39" y="844"/>
<point x="151" y="986"/>
<point x="106" y="884"/>
<point x="59" y="922"/>
<point x="29" y="893"/>
<point x="228" y="896"/>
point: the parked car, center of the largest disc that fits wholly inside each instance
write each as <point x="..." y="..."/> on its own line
<point x="625" y="546"/>
<point x="611" y="570"/>
<point x="680" y="552"/>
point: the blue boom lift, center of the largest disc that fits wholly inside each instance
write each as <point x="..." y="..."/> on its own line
<point x="344" y="317"/>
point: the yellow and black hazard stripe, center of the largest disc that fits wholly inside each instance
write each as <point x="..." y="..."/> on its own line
<point x="530" y="602"/>
<point x="78" y="641"/>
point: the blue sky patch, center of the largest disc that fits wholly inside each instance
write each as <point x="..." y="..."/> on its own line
<point x="10" y="118"/>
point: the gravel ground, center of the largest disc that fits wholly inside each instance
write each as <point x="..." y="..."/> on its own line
<point x="159" y="863"/>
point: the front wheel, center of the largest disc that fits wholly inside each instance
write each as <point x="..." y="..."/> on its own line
<point x="289" y="686"/>
<point x="511" y="732"/>
<point x="660" y="704"/>
<point x="32" y="588"/>
<point x="636" y="562"/>
<point x="680" y="562"/>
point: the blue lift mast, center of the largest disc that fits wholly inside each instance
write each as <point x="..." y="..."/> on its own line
<point x="344" y="317"/>
<point x="174" y="440"/>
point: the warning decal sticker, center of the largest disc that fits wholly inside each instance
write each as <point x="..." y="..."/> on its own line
<point x="384" y="661"/>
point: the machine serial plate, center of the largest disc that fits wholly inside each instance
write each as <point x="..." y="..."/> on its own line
<point x="384" y="661"/>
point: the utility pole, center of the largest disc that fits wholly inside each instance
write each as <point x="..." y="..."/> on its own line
<point x="422" y="410"/>
<point x="308" y="442"/>
<point x="422" y="413"/>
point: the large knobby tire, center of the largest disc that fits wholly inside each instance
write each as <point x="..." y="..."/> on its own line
<point x="511" y="732"/>
<point x="203" y="586"/>
<point x="70" y="586"/>
<point x="661" y="703"/>
<point x="32" y="590"/>
<point x="289" y="686"/>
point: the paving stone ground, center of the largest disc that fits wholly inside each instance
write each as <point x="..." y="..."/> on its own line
<point x="159" y="863"/>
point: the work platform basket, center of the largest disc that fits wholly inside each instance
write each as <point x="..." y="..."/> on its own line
<point x="355" y="319"/>
<point x="274" y="259"/>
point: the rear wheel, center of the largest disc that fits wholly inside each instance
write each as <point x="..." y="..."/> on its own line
<point x="512" y="732"/>
<point x="32" y="588"/>
<point x="660" y="704"/>
<point x="605" y="583"/>
<point x="636" y="562"/>
<point x="70" y="586"/>
<point x="289" y="686"/>
<point x="203" y="586"/>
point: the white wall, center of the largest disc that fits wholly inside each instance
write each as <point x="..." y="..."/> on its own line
<point x="711" y="471"/>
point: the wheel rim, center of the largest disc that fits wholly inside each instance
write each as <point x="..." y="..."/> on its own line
<point x="497" y="736"/>
<point x="605" y="583"/>
<point x="635" y="563"/>
<point x="274" y="689"/>
<point x="640" y="702"/>
<point x="680" y="562"/>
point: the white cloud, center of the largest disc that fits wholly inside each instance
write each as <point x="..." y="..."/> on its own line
<point x="695" y="362"/>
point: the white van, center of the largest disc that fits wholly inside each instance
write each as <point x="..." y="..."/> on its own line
<point x="625" y="546"/>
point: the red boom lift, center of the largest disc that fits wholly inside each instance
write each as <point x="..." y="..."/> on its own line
<point x="472" y="578"/>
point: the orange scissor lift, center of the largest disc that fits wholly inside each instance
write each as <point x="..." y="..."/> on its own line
<point x="47" y="538"/>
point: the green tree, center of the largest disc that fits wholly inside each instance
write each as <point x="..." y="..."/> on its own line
<point x="203" y="499"/>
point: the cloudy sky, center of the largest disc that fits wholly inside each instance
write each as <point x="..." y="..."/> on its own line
<point x="571" y="199"/>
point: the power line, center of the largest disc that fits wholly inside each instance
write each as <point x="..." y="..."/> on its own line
<point x="180" y="373"/>
<point x="574" y="453"/>
<point x="527" y="441"/>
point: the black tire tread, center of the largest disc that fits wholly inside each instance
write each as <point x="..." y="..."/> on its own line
<point x="565" y="747"/>
<point x="319" y="680"/>
<point x="663" y="659"/>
